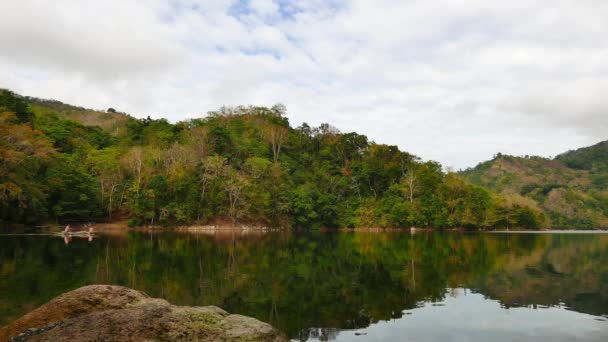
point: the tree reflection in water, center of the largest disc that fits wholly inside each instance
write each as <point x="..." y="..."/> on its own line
<point x="315" y="284"/>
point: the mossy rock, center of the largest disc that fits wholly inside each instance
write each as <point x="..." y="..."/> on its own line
<point x="115" y="313"/>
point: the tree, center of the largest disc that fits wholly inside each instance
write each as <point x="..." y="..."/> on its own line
<point x="256" y="167"/>
<point x="351" y="146"/>
<point x="24" y="153"/>
<point x="303" y="208"/>
<point x="10" y="102"/>
<point x="197" y="138"/>
<point x="219" y="137"/>
<point x="279" y="109"/>
<point x="211" y="170"/>
<point x="410" y="182"/>
<point x="73" y="191"/>
<point x="105" y="166"/>
<point x="235" y="185"/>
<point x="276" y="135"/>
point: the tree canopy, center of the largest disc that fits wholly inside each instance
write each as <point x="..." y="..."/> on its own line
<point x="243" y="164"/>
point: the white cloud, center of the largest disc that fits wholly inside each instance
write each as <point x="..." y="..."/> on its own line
<point x="105" y="39"/>
<point x="448" y="80"/>
<point x="264" y="8"/>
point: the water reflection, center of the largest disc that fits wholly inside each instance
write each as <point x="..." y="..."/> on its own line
<point x="314" y="286"/>
<point x="67" y="238"/>
<point x="467" y="316"/>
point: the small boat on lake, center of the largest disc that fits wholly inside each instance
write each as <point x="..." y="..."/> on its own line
<point x="82" y="233"/>
<point x="67" y="234"/>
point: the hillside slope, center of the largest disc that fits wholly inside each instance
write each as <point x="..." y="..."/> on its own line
<point x="572" y="189"/>
<point x="244" y="164"/>
<point x="593" y="158"/>
<point x="111" y="121"/>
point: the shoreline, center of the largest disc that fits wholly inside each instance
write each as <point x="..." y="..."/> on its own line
<point x="550" y="231"/>
<point x="255" y="228"/>
<point x="245" y="227"/>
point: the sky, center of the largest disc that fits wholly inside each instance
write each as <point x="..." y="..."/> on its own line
<point x="448" y="80"/>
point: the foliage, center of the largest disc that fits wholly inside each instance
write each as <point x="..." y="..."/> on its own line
<point x="24" y="153"/>
<point x="587" y="158"/>
<point x="241" y="164"/>
<point x="569" y="191"/>
<point x="10" y="102"/>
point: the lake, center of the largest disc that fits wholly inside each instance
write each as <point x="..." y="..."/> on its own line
<point x="339" y="286"/>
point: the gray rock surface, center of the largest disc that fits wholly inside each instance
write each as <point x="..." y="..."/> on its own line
<point x="116" y="313"/>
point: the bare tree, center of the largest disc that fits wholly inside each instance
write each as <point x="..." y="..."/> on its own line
<point x="212" y="168"/>
<point x="410" y="182"/>
<point x="408" y="174"/>
<point x="276" y="135"/>
<point x="198" y="137"/>
<point x="235" y="184"/>
<point x="178" y="161"/>
<point x="134" y="161"/>
<point x="110" y="178"/>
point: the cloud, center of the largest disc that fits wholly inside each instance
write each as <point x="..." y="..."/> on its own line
<point x="105" y="39"/>
<point x="264" y="8"/>
<point x="448" y="80"/>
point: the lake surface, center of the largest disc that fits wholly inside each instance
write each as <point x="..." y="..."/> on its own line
<point x="340" y="286"/>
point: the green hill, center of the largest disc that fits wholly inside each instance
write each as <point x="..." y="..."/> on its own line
<point x="247" y="164"/>
<point x="593" y="158"/>
<point x="571" y="189"/>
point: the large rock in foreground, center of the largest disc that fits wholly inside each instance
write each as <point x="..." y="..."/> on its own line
<point x="116" y="313"/>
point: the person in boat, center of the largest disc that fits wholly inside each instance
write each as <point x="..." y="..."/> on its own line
<point x="90" y="233"/>
<point x="67" y="229"/>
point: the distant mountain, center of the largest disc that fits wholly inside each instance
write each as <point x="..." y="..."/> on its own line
<point x="571" y="189"/>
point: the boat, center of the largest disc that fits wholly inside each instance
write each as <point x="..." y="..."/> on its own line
<point x="82" y="233"/>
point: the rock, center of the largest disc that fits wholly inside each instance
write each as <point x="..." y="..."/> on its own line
<point x="115" y="313"/>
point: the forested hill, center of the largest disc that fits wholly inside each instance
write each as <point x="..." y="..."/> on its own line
<point x="593" y="158"/>
<point x="571" y="189"/>
<point x="243" y="165"/>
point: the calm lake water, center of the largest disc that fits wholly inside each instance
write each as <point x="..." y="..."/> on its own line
<point x="340" y="286"/>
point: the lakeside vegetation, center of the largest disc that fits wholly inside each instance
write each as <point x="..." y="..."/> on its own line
<point x="236" y="165"/>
